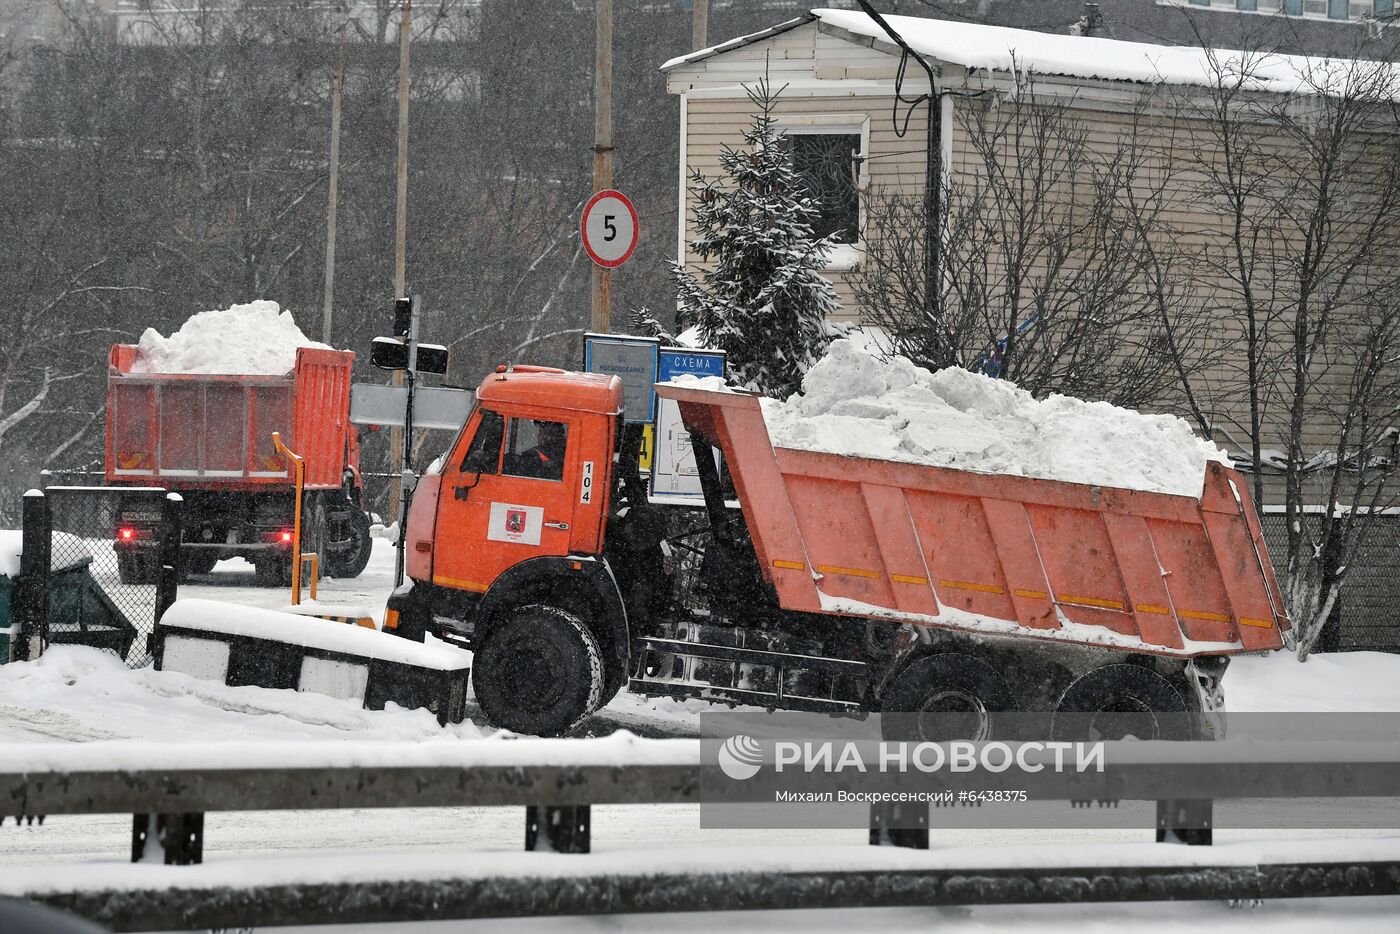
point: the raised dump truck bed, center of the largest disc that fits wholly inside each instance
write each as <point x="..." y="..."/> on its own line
<point x="997" y="555"/>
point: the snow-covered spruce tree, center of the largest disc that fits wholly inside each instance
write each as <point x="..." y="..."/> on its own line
<point x="759" y="296"/>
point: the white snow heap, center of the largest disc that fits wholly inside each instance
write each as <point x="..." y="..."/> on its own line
<point x="858" y="405"/>
<point x="11" y="546"/>
<point x="253" y="339"/>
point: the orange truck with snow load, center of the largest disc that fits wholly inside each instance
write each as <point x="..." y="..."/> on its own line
<point x="209" y="438"/>
<point x="822" y="582"/>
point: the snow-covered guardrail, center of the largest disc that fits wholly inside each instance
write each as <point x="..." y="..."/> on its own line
<point x="169" y="788"/>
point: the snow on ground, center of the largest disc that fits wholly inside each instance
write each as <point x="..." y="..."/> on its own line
<point x="256" y="338"/>
<point x="83" y="695"/>
<point x="855" y="404"/>
<point x="1291" y="916"/>
<point x="1340" y="682"/>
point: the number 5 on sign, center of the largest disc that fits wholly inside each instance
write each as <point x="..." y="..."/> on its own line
<point x="609" y="227"/>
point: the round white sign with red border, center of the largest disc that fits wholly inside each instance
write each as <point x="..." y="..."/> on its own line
<point x="609" y="227"/>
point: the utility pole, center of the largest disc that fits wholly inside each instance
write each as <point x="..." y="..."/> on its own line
<point x="700" y="25"/>
<point x="602" y="151"/>
<point x="396" y="437"/>
<point x="333" y="198"/>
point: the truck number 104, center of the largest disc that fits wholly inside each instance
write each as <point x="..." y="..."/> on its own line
<point x="585" y="494"/>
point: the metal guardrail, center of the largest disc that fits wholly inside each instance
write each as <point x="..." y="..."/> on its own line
<point x="169" y="803"/>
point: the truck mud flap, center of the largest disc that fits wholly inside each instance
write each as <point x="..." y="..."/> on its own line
<point x="754" y="677"/>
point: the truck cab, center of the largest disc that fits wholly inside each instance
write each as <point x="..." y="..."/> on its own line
<point x="513" y="516"/>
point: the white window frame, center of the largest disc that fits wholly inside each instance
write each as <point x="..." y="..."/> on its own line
<point x="845" y="257"/>
<point x="1231" y="6"/>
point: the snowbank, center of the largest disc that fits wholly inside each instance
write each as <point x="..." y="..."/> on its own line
<point x="11" y="545"/>
<point x="1340" y="681"/>
<point x="310" y="632"/>
<point x="256" y="338"/>
<point x="855" y="404"/>
<point x="67" y="551"/>
<point x="74" y="694"/>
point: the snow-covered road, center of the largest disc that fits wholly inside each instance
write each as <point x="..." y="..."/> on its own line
<point x="81" y="695"/>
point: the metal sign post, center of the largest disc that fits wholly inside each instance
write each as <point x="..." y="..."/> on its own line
<point x="406" y="477"/>
<point x="405" y="356"/>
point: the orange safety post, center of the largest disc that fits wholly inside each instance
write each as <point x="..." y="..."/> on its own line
<point x="299" y="472"/>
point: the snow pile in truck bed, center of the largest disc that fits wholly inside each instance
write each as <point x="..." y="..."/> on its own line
<point x="253" y="339"/>
<point x="857" y="405"/>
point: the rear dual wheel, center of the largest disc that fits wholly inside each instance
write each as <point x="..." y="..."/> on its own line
<point x="137" y="568"/>
<point x="944" y="697"/>
<point x="197" y="561"/>
<point x="539" y="671"/>
<point x="350" y="561"/>
<point x="1121" y="702"/>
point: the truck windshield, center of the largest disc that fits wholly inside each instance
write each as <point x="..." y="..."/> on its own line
<point x="484" y="453"/>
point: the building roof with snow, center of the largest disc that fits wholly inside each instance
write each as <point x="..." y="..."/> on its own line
<point x="998" y="49"/>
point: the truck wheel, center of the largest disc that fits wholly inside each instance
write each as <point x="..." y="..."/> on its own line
<point x="197" y="561"/>
<point x="539" y="671"/>
<point x="273" y="571"/>
<point x="942" y="697"/>
<point x="134" y="568"/>
<point x="1121" y="701"/>
<point x="351" y="561"/>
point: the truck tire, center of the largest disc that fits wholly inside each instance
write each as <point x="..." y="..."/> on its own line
<point x="351" y="561"/>
<point x="1121" y="701"/>
<point x="197" y="561"/>
<point x="137" y="568"/>
<point x="539" y="671"/>
<point x="960" y="689"/>
<point x="273" y="570"/>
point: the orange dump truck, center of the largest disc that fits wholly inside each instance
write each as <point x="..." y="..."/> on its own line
<point x="209" y="438"/>
<point x="837" y="584"/>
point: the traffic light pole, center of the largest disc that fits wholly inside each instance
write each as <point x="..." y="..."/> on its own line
<point x="407" y="479"/>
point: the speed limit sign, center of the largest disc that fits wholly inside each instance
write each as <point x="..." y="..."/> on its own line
<point x="609" y="228"/>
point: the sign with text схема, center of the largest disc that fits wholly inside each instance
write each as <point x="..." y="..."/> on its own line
<point x="674" y="477"/>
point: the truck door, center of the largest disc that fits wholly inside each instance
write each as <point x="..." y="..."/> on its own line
<point x="506" y="498"/>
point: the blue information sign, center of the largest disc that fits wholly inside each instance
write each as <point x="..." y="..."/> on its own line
<point x="632" y="360"/>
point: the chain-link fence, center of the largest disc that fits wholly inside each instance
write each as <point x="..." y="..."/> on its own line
<point x="1370" y="597"/>
<point x="109" y="569"/>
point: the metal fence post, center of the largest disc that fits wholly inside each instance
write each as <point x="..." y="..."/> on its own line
<point x="1189" y="822"/>
<point x="31" y="609"/>
<point x="168" y="579"/>
<point x="556" y="829"/>
<point x="890" y="820"/>
<point x="177" y="839"/>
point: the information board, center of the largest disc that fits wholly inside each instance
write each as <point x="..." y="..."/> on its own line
<point x="632" y="360"/>
<point x="674" y="478"/>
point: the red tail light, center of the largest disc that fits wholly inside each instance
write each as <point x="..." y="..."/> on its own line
<point x="126" y="535"/>
<point x="286" y="538"/>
